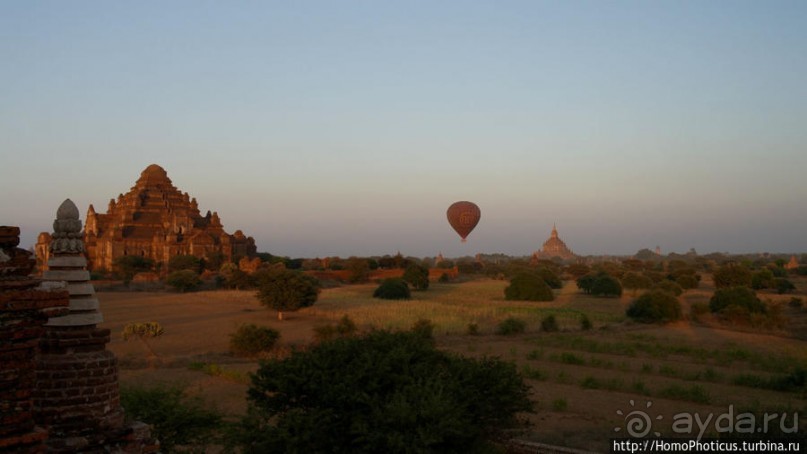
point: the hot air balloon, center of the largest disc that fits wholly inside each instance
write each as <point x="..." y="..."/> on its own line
<point x="463" y="217"/>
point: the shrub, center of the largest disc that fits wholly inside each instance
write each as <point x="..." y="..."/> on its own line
<point x="184" y="280"/>
<point x="635" y="281"/>
<point x="383" y="392"/>
<point x="795" y="303"/>
<point x="444" y="278"/>
<point x="251" y="340"/>
<point x="732" y="275"/>
<point x="655" y="306"/>
<point x="392" y="289"/>
<point x="473" y="329"/>
<point x="176" y="419"/>
<point x="528" y="287"/>
<point x="424" y="328"/>
<point x="783" y="285"/>
<point x="286" y="290"/>
<point x="687" y="281"/>
<point x="359" y="270"/>
<point x="549" y="324"/>
<point x="417" y="276"/>
<point x="550" y="277"/>
<point x="129" y="265"/>
<point x="762" y="279"/>
<point x="607" y="286"/>
<point x="669" y="287"/>
<point x="345" y="328"/>
<point x="585" y="323"/>
<point x="184" y="262"/>
<point x="510" y="326"/>
<point x="586" y="283"/>
<point x="740" y="297"/>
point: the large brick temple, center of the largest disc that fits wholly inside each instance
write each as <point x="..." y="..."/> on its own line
<point x="157" y="221"/>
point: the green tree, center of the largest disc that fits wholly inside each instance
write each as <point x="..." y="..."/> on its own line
<point x="635" y="281"/>
<point x="393" y="289"/>
<point x="359" y="270"/>
<point x="550" y="277"/>
<point x="233" y="277"/>
<point x="417" y="276"/>
<point x="687" y="281"/>
<point x="762" y="279"/>
<point x="251" y="340"/>
<point x="185" y="262"/>
<point x="586" y="283"/>
<point x="129" y="265"/>
<point x="655" y="306"/>
<point x="176" y="418"/>
<point x="528" y="287"/>
<point x="732" y="275"/>
<point x="578" y="270"/>
<point x="670" y="287"/>
<point x="286" y="290"/>
<point x="184" y="280"/>
<point x="783" y="285"/>
<point x="607" y="286"/>
<point x="383" y="392"/>
<point x="739" y="296"/>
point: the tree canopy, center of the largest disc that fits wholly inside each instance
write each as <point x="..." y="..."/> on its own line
<point x="286" y="290"/>
<point x="384" y="392"/>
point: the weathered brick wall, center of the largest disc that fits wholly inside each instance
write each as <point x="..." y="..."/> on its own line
<point x="23" y="312"/>
<point x="58" y="385"/>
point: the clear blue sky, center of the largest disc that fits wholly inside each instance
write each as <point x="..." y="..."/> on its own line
<point x="348" y="127"/>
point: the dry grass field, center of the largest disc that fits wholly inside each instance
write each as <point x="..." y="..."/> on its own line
<point x="580" y="378"/>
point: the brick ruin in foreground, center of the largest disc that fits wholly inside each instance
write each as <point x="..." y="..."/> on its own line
<point x="58" y="382"/>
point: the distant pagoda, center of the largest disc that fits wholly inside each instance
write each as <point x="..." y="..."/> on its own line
<point x="554" y="247"/>
<point x="157" y="221"/>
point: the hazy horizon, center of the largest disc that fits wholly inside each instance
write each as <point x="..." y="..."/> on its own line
<point x="339" y="129"/>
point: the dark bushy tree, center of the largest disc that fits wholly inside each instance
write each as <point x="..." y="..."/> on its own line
<point x="783" y="285"/>
<point x="528" y="287"/>
<point x="251" y="340"/>
<point x="176" y="419"/>
<point x="184" y="280"/>
<point x="578" y="270"/>
<point x="762" y="279"/>
<point x="393" y="289"/>
<point x="655" y="306"/>
<point x="670" y="287"/>
<point x="184" y="262"/>
<point x="129" y="265"/>
<point x="732" y="275"/>
<point x="586" y="283"/>
<point x="739" y="296"/>
<point x="687" y="281"/>
<point x="286" y="290"/>
<point x="417" y="276"/>
<point x="636" y="281"/>
<point x="607" y="286"/>
<point x="385" y="392"/>
<point x="359" y="270"/>
<point x="550" y="277"/>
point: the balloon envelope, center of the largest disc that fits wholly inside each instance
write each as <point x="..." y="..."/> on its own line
<point x="463" y="217"/>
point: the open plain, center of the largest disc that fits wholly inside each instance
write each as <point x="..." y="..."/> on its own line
<point x="585" y="383"/>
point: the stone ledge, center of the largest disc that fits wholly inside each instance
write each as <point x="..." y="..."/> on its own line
<point x="66" y="275"/>
<point x="93" y="318"/>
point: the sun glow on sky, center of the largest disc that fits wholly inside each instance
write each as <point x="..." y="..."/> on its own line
<point x="347" y="128"/>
